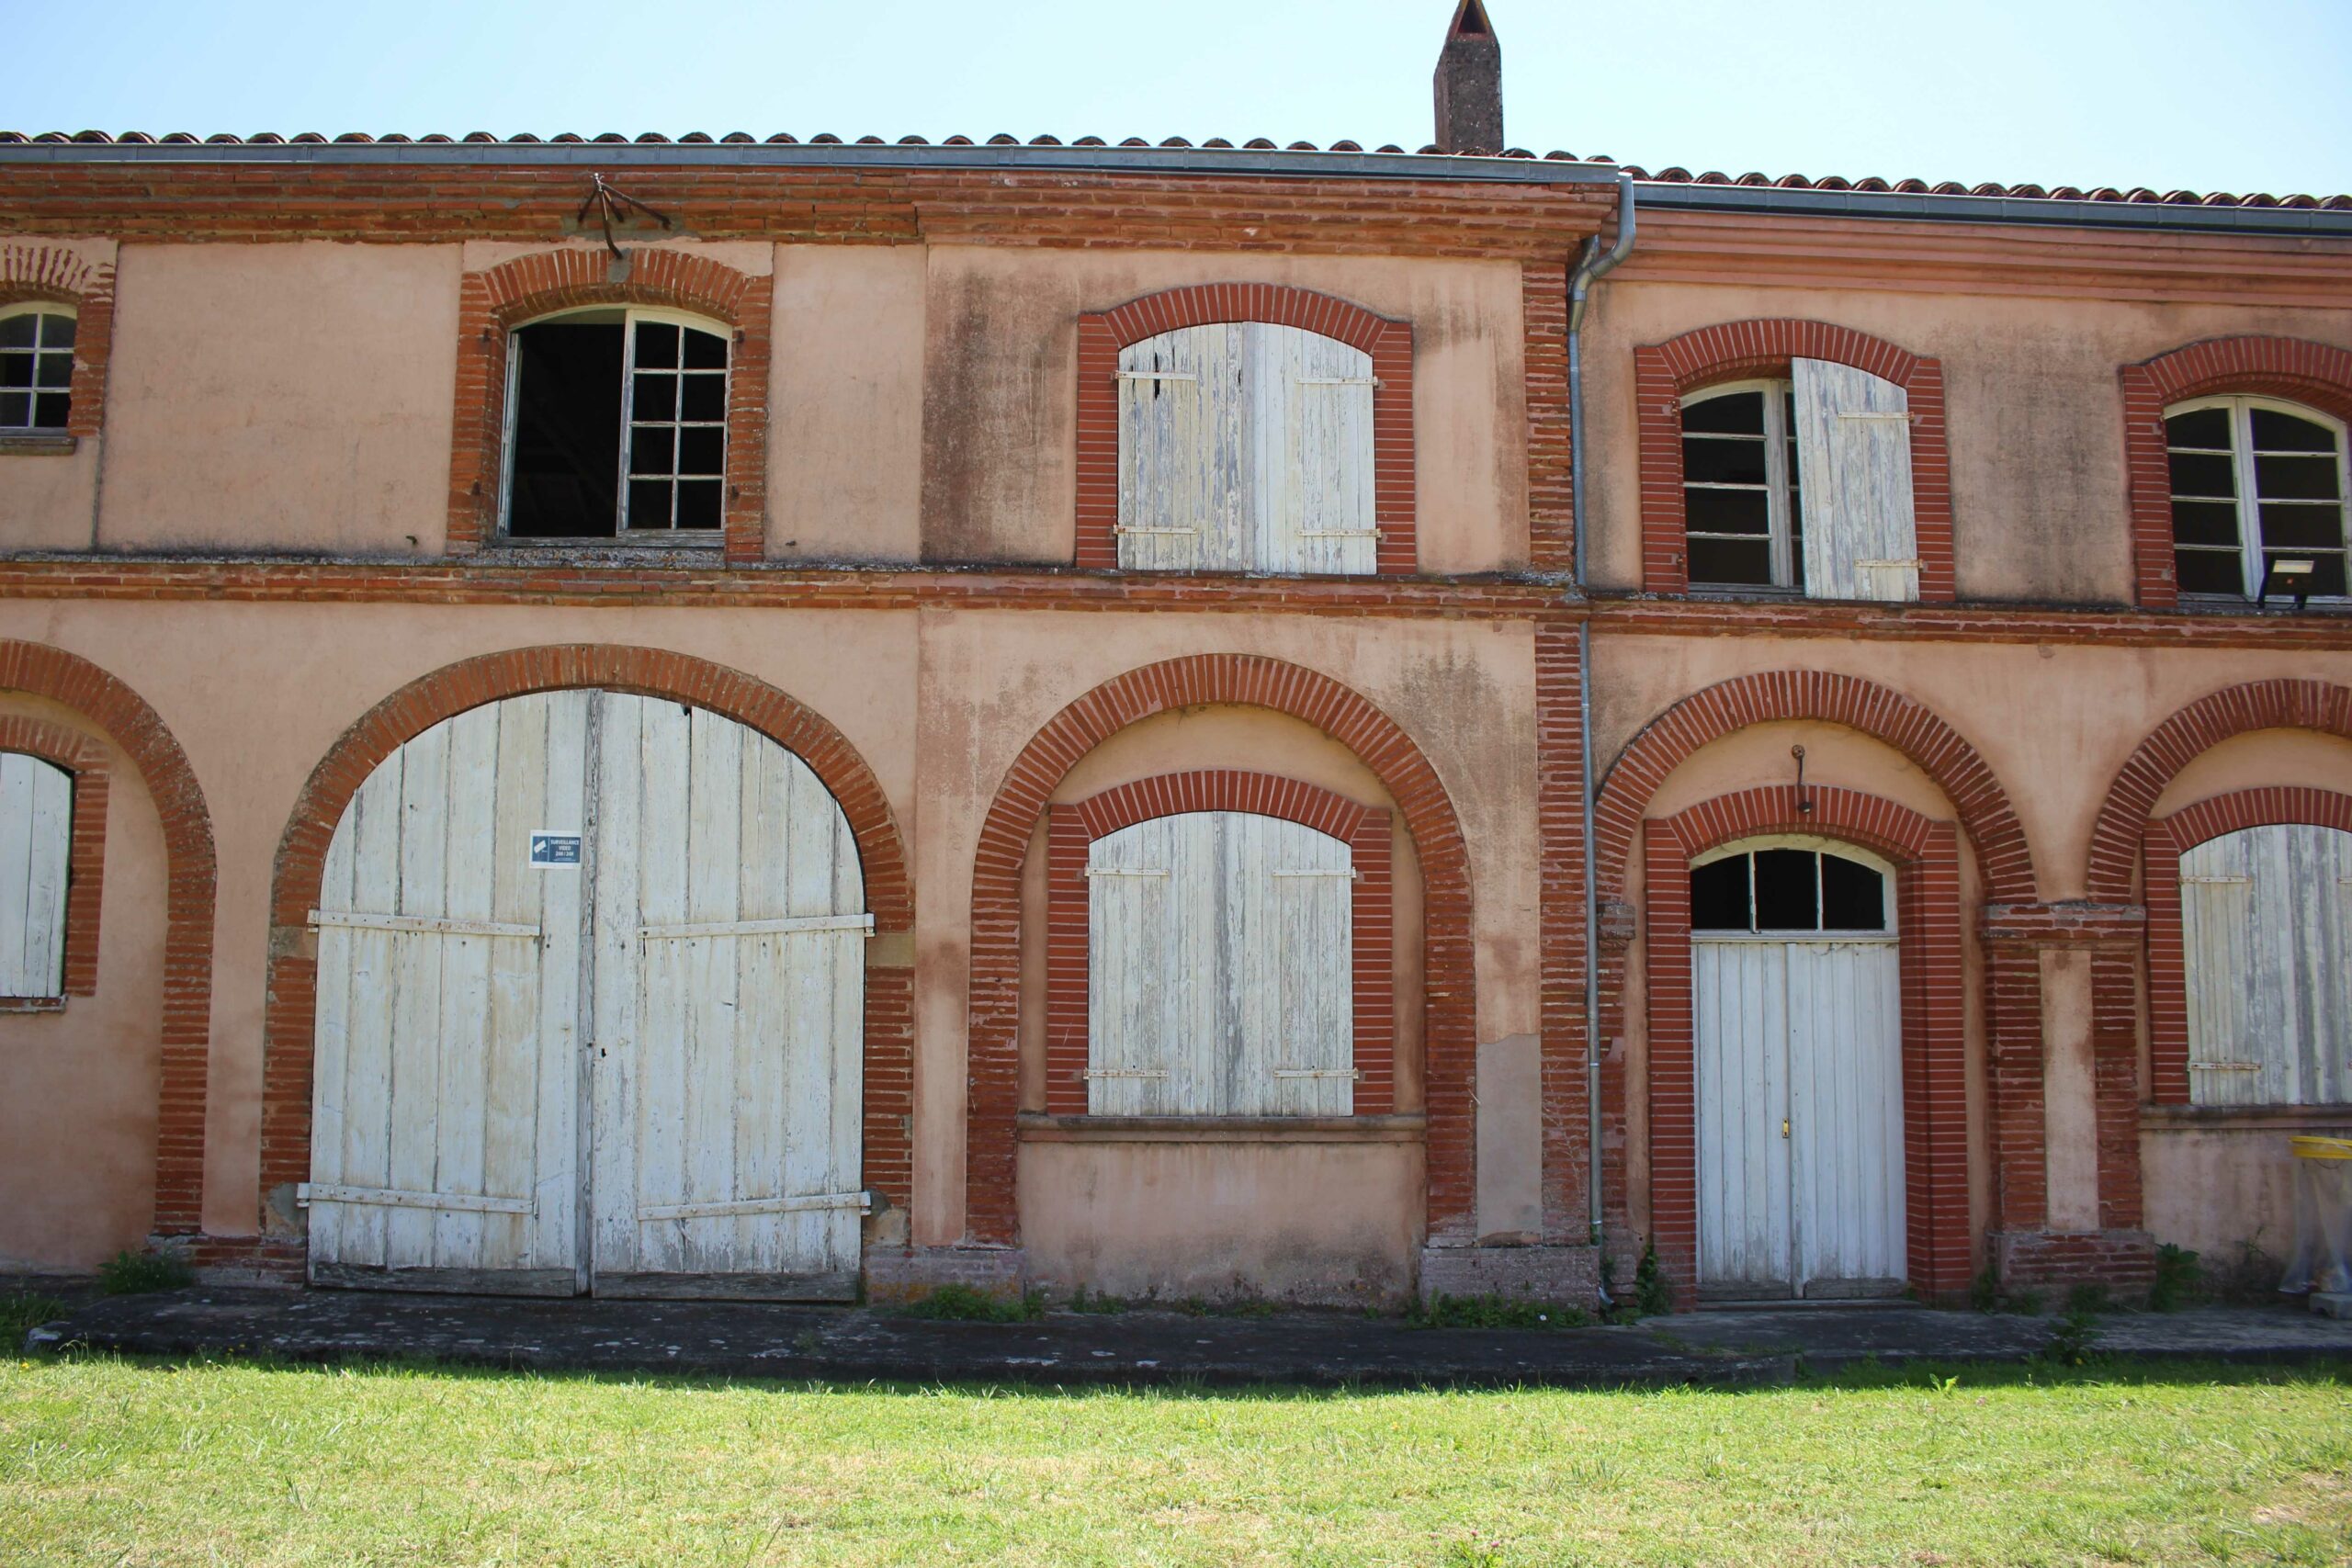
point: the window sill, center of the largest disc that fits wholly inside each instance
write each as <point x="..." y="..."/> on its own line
<point x="32" y="1004"/>
<point x="38" y="446"/>
<point x="1039" y="1129"/>
<point x="2252" y="1118"/>
<point x="2236" y="604"/>
<point x="692" y="554"/>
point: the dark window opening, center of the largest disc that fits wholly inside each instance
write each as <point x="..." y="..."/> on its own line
<point x="36" y="370"/>
<point x="1787" y="890"/>
<point x="592" y="396"/>
<point x="1742" y="515"/>
<point x="2251" y="486"/>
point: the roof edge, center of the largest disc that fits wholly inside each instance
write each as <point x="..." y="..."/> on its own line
<point x="2043" y="211"/>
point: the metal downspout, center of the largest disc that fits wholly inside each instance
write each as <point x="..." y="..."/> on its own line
<point x="1591" y="265"/>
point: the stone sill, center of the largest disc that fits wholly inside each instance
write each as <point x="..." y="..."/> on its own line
<point x="1040" y="1129"/>
<point x="2249" y="1117"/>
<point x="37" y="445"/>
<point x="32" y="1004"/>
<point x="698" y="551"/>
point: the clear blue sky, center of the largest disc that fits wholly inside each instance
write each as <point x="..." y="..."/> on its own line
<point x="2244" y="95"/>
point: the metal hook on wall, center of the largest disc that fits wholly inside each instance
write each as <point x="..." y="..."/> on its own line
<point x="608" y="204"/>
<point x="1804" y="801"/>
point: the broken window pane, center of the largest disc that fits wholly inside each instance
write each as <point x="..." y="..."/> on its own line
<point x="566" y="458"/>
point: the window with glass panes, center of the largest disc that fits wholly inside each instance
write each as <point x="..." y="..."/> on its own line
<point x="617" y="427"/>
<point x="1742" y="509"/>
<point x="1784" y="890"/>
<point x="2254" y="482"/>
<point x="36" y="370"/>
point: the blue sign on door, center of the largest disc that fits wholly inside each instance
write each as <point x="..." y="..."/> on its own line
<point x="555" y="849"/>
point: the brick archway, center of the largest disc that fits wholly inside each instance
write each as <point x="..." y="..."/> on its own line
<point x="992" y="1200"/>
<point x="1935" y="1092"/>
<point x="2012" y="972"/>
<point x="192" y="878"/>
<point x="492" y="301"/>
<point x="1071" y="830"/>
<point x="2316" y="374"/>
<point x="1665" y="373"/>
<point x="288" y="1038"/>
<point x="2165" y="840"/>
<point x="1102" y="334"/>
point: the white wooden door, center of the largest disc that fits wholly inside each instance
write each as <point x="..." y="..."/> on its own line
<point x="1853" y="432"/>
<point x="730" y="996"/>
<point x="2267" y="936"/>
<point x="1221" y="969"/>
<point x="650" y="1022"/>
<point x="1246" y="446"/>
<point x="36" y="833"/>
<point x="444" y="1147"/>
<point x="1800" y="1116"/>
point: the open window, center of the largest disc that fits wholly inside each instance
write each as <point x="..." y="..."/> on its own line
<point x="36" y="840"/>
<point x="2258" y="490"/>
<point x="1802" y="485"/>
<point x="1221" y="969"/>
<point x="1246" y="446"/>
<point x="617" y="427"/>
<point x="36" y="370"/>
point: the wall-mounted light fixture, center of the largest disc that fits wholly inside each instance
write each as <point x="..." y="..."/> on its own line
<point x="2298" y="572"/>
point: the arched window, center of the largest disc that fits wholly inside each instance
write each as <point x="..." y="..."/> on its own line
<point x="2258" y="490"/>
<point x="1785" y="891"/>
<point x="616" y="426"/>
<point x="36" y="368"/>
<point x="1740" y="490"/>
<point x="1246" y="446"/>
<point x="1221" y="971"/>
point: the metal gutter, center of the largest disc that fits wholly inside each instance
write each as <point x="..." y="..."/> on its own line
<point x="1920" y="207"/>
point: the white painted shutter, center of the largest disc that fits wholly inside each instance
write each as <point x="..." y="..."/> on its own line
<point x="1246" y="446"/>
<point x="1854" y="467"/>
<point x="36" y="835"/>
<point x="445" y="1074"/>
<point x="1311" y="416"/>
<point x="730" y="932"/>
<point x="2266" y="929"/>
<point x="1221" y="971"/>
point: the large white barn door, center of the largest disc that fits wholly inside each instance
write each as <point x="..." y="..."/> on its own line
<point x="586" y="900"/>
<point x="446" y="1078"/>
<point x="2267" y="935"/>
<point x="1800" y="1116"/>
<point x="731" y="931"/>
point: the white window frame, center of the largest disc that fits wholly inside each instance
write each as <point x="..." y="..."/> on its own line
<point x="1779" y="482"/>
<point x="2247" y="499"/>
<point x="1817" y="844"/>
<point x="45" y="308"/>
<point x="631" y="316"/>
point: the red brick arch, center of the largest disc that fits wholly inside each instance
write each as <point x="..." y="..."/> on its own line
<point x="86" y="853"/>
<point x="1102" y="334"/>
<point x="2165" y="841"/>
<point x="1935" y="1090"/>
<point x="29" y="270"/>
<point x="288" y="1038"/>
<point x="192" y="878"/>
<point x="991" y="1201"/>
<point x="2316" y="374"/>
<point x="1071" y="833"/>
<point x="1736" y="351"/>
<point x="494" y="301"/>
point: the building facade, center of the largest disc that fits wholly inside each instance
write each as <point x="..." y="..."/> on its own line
<point x="778" y="718"/>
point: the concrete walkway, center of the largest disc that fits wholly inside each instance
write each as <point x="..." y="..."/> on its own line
<point x="742" y="1339"/>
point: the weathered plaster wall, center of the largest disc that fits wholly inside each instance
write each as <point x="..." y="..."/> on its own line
<point x="1000" y="384"/>
<point x="846" y="404"/>
<point x="2034" y="408"/>
<point x="48" y="502"/>
<point x="2226" y="1192"/>
<point x="77" y="1087"/>
<point x="2261" y="759"/>
<point x="281" y="397"/>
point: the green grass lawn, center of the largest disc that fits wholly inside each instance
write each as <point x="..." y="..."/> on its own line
<point x="106" y="1460"/>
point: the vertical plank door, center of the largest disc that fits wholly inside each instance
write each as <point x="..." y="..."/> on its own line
<point x="1845" y="1117"/>
<point x="1740" y="1031"/>
<point x="729" y="984"/>
<point x="446" y="1073"/>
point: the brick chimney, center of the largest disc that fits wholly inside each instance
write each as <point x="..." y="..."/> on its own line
<point x="1469" y="84"/>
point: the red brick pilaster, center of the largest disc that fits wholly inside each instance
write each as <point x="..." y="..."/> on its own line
<point x="1101" y="334"/>
<point x="2317" y="374"/>
<point x="1559" y="810"/>
<point x="493" y="302"/>
<point x="1736" y="351"/>
<point x="1551" y="508"/>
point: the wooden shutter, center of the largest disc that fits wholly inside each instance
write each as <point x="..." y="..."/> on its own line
<point x="446" y="1073"/>
<point x="36" y="835"/>
<point x="2267" y="936"/>
<point x="1221" y="969"/>
<point x="1854" y="465"/>
<point x="1183" y="452"/>
<point x="1311" y="418"/>
<point x="730" y="993"/>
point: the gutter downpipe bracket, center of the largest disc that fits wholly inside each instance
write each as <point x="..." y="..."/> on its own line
<point x="1592" y="265"/>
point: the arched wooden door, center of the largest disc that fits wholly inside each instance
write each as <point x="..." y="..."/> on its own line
<point x="590" y="1017"/>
